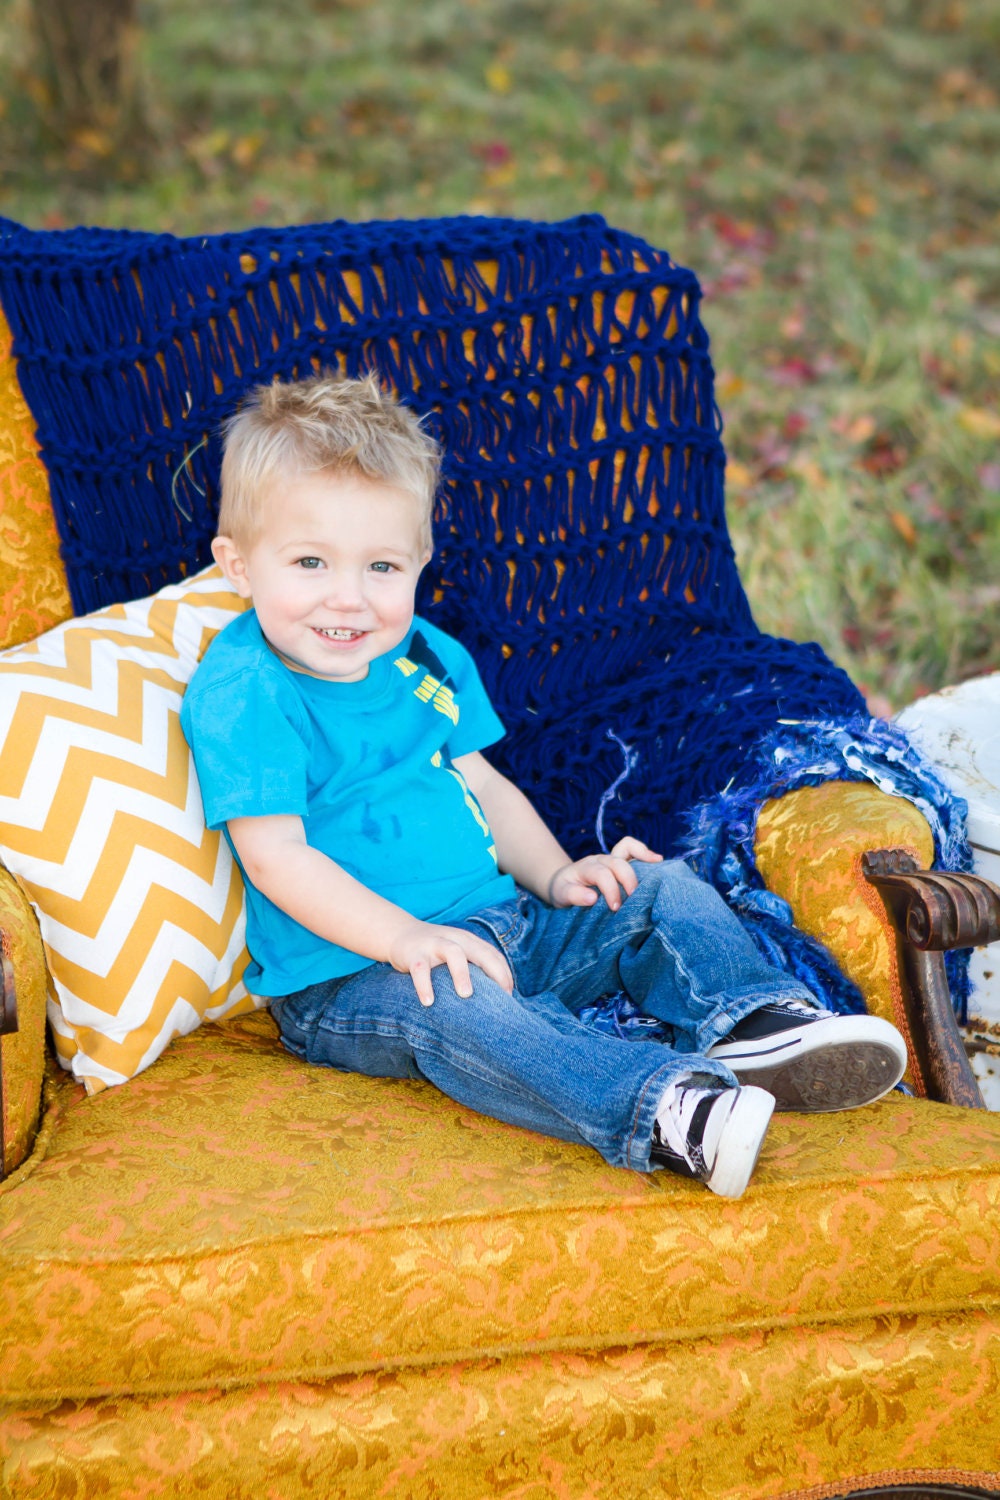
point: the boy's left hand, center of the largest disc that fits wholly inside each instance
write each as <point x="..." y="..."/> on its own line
<point x="579" y="883"/>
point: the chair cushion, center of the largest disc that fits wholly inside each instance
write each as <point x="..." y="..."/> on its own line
<point x="798" y="1413"/>
<point x="141" y="909"/>
<point x="236" y="1215"/>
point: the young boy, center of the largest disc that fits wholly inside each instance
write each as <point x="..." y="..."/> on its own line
<point x="409" y="914"/>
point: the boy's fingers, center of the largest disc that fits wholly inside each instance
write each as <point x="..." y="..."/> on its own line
<point x="420" y="973"/>
<point x="612" y="873"/>
<point x="492" y="963"/>
<point x="625" y="874"/>
<point x="632" y="848"/>
<point x="498" y="969"/>
<point x="578" y="893"/>
<point x="605" y="880"/>
<point x="458" y="968"/>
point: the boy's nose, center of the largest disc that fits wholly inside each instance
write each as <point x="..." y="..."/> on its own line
<point x="344" y="591"/>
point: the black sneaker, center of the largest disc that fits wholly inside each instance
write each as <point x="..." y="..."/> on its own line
<point x="712" y="1133"/>
<point x="811" y="1059"/>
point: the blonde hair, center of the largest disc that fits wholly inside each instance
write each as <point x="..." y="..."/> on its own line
<point x="323" y="423"/>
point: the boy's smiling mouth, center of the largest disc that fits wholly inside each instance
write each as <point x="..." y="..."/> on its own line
<point x="332" y="633"/>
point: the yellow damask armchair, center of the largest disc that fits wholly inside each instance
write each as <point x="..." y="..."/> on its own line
<point x="225" y="1273"/>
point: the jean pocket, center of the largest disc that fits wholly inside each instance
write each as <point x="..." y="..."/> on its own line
<point x="505" y="922"/>
<point x="303" y="1010"/>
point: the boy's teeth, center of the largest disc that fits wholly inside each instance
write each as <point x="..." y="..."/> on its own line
<point x="338" y="635"/>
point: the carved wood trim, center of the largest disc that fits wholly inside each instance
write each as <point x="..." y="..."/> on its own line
<point x="898" y="984"/>
<point x="8" y="1025"/>
<point x="932" y="911"/>
<point x="921" y="1492"/>
<point x="943" y="909"/>
<point x="8" y="998"/>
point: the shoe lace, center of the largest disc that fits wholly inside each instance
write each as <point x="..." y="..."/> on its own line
<point x="795" y="1007"/>
<point x="675" y="1117"/>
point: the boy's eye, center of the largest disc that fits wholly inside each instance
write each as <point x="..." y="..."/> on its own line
<point x="309" y="562"/>
<point x="383" y="567"/>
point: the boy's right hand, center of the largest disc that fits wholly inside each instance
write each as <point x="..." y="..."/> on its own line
<point x="421" y="946"/>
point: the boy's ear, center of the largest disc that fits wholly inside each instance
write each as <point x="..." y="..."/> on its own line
<point x="230" y="560"/>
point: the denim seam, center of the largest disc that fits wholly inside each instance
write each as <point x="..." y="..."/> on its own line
<point x="638" y="1110"/>
<point x="723" y="1009"/>
<point x="509" y="933"/>
<point x="679" y="964"/>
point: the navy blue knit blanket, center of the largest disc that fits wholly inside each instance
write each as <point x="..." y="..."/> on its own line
<point x="581" y="552"/>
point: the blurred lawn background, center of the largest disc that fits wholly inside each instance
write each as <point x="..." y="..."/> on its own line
<point x="829" y="168"/>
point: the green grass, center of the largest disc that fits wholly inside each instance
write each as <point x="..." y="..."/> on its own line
<point x="831" y="170"/>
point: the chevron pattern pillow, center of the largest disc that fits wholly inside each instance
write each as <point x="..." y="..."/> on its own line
<point x="140" y="906"/>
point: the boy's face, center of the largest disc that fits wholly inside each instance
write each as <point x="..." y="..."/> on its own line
<point x="332" y="571"/>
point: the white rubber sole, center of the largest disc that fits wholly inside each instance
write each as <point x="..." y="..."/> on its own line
<point x="839" y="1062"/>
<point x="740" y="1140"/>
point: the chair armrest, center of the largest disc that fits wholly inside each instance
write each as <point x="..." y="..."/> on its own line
<point x="932" y="912"/>
<point x="22" y="1024"/>
<point x="810" y="846"/>
<point x="935" y="910"/>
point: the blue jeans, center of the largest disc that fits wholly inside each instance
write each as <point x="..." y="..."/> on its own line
<point x="673" y="945"/>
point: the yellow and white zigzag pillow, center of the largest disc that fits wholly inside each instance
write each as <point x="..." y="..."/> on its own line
<point x="140" y="906"/>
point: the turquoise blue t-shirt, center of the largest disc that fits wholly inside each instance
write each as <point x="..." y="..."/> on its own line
<point x="368" y="766"/>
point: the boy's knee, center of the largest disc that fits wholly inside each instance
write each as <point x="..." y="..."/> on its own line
<point x="671" y="875"/>
<point x="675" y="877"/>
<point x="484" y="987"/>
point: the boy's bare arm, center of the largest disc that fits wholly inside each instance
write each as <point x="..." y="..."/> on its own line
<point x="528" y="850"/>
<point x="322" y="896"/>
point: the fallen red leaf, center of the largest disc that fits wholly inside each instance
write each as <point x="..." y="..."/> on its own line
<point x="493" y="153"/>
<point x="884" y="456"/>
<point x="793" y="372"/>
<point x="741" y="232"/>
